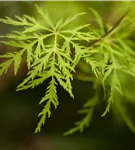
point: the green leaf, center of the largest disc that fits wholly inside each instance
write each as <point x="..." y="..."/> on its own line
<point x="71" y="19"/>
<point x="5" y="66"/>
<point x="17" y="61"/>
<point x="45" y="16"/>
<point x="98" y="19"/>
<point x="50" y="97"/>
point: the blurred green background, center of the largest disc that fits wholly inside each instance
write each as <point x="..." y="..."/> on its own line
<point x="19" y="110"/>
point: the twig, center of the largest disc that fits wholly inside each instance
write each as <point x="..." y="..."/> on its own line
<point x="109" y="31"/>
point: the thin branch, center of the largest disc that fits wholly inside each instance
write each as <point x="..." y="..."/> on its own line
<point x="109" y="31"/>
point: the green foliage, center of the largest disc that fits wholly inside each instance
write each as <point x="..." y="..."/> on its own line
<point x="46" y="60"/>
<point x="55" y="50"/>
<point x="87" y="110"/>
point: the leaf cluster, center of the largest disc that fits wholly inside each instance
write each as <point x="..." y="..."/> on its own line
<point x="112" y="63"/>
<point x="52" y="59"/>
<point x="53" y="51"/>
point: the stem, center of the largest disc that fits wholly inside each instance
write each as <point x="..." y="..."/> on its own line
<point x="109" y="31"/>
